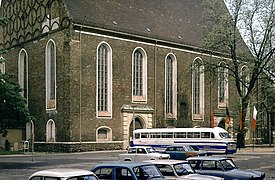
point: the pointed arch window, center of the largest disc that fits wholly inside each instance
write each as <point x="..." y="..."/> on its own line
<point x="171" y="86"/>
<point x="104" y="80"/>
<point x="222" y="85"/>
<point x="51" y="75"/>
<point x="23" y="73"/>
<point x="2" y="65"/>
<point x="198" y="90"/>
<point x="29" y="131"/>
<point x="50" y="131"/>
<point x="244" y="80"/>
<point x="139" y="75"/>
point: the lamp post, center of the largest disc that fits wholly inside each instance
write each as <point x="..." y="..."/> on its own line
<point x="134" y="119"/>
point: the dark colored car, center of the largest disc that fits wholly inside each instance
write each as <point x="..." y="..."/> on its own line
<point x="182" y="152"/>
<point x="121" y="170"/>
<point x="179" y="169"/>
<point x="223" y="167"/>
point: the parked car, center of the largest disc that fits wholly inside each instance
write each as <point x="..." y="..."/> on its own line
<point x="178" y="169"/>
<point x="127" y="171"/>
<point x="63" y="174"/>
<point x="223" y="167"/>
<point x="182" y="152"/>
<point x="141" y="153"/>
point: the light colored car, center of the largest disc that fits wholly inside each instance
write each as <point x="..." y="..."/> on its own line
<point x="223" y="167"/>
<point x="182" y="152"/>
<point x="63" y="174"/>
<point x="120" y="170"/>
<point x="178" y="169"/>
<point x="142" y="153"/>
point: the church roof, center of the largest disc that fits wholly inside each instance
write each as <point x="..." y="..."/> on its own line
<point x="171" y="20"/>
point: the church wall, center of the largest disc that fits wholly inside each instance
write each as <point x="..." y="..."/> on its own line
<point x="75" y="116"/>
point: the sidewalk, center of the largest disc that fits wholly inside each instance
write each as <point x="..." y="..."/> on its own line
<point x="257" y="149"/>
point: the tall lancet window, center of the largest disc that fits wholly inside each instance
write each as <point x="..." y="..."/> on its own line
<point x="198" y="89"/>
<point x="23" y="73"/>
<point x="171" y="86"/>
<point x="139" y="76"/>
<point x="51" y="75"/>
<point x="104" y="80"/>
<point x="222" y="85"/>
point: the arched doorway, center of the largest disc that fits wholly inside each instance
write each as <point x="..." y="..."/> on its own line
<point x="135" y="118"/>
<point x="135" y="124"/>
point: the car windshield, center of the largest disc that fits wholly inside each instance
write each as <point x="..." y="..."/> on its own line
<point x="183" y="169"/>
<point x="147" y="172"/>
<point x="224" y="135"/>
<point x="188" y="148"/>
<point x="228" y="164"/>
<point x="150" y="150"/>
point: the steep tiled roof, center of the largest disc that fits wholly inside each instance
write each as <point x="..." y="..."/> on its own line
<point x="172" y="20"/>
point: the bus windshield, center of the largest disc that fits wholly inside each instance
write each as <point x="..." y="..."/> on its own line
<point x="224" y="135"/>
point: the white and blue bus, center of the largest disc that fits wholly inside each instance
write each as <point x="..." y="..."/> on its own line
<point x="212" y="140"/>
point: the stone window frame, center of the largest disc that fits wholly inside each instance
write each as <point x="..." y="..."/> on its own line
<point x="108" y="134"/>
<point x="106" y="112"/>
<point x="50" y="131"/>
<point x="29" y="130"/>
<point x="50" y="80"/>
<point x="198" y="89"/>
<point x="171" y="87"/>
<point x="223" y="85"/>
<point x="139" y="95"/>
<point x="23" y="72"/>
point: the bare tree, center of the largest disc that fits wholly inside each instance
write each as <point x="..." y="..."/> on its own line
<point x="255" y="19"/>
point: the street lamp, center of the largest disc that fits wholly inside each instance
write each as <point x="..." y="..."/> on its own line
<point x="134" y="120"/>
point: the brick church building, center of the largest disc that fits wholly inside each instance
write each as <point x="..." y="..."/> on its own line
<point x="94" y="70"/>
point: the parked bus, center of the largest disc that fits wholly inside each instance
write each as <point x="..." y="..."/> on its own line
<point x="212" y="140"/>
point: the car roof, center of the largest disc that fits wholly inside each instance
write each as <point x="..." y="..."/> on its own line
<point x="62" y="172"/>
<point x="213" y="158"/>
<point x="141" y="147"/>
<point x="166" y="161"/>
<point x="129" y="164"/>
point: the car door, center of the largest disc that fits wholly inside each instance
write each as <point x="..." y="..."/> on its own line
<point x="170" y="151"/>
<point x="122" y="173"/>
<point x="180" y="153"/>
<point x="212" y="167"/>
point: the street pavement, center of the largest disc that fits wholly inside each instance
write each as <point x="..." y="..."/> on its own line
<point x="255" y="149"/>
<point x="20" y="166"/>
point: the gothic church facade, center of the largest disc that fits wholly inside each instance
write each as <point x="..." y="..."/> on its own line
<point x="92" y="71"/>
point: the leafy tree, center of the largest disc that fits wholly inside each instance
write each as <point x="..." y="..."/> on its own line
<point x="256" y="19"/>
<point x="13" y="108"/>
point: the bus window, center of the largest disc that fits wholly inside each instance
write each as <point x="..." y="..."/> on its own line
<point x="167" y="135"/>
<point x="180" y="135"/>
<point x="212" y="135"/>
<point x="154" y="135"/>
<point x="205" y="134"/>
<point x="193" y="134"/>
<point x="137" y="136"/>
<point x="144" y="135"/>
<point x="224" y="135"/>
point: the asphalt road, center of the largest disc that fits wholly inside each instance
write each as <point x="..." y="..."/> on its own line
<point x="20" y="167"/>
